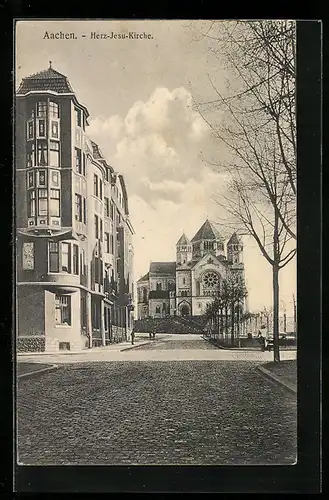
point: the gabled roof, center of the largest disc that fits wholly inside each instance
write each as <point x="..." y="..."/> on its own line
<point x="211" y="257"/>
<point x="207" y="232"/>
<point x="234" y="240"/>
<point x="48" y="79"/>
<point x="183" y="240"/>
<point x="163" y="268"/>
<point x="97" y="154"/>
<point x="144" y="278"/>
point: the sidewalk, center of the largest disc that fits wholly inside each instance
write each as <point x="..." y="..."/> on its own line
<point x="284" y="373"/>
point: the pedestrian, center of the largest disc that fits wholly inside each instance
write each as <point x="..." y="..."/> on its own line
<point x="132" y="337"/>
<point x="262" y="341"/>
<point x="153" y="335"/>
<point x="150" y="335"/>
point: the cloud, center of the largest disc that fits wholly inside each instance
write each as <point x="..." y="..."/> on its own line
<point x="157" y="145"/>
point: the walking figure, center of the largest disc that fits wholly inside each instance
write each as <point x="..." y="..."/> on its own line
<point x="150" y="336"/>
<point x="153" y="335"/>
<point x="262" y="341"/>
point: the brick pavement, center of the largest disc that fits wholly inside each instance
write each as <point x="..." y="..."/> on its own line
<point x="173" y="412"/>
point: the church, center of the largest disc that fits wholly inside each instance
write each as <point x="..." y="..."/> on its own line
<point x="185" y="287"/>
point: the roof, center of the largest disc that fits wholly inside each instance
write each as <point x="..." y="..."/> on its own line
<point x="97" y="154"/>
<point x="183" y="240"/>
<point x="144" y="278"/>
<point x="163" y="268"/>
<point x="207" y="232"/>
<point x="234" y="240"/>
<point x="48" y="79"/>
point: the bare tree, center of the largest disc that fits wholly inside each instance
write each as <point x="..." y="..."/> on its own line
<point x="255" y="121"/>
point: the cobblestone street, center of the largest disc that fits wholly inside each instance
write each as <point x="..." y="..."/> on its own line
<point x="156" y="412"/>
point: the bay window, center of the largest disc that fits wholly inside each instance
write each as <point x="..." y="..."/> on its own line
<point x="31" y="204"/>
<point x="95" y="185"/>
<point x="77" y="117"/>
<point x="75" y="259"/>
<point x="30" y="155"/>
<point x="42" y="202"/>
<point x="42" y="109"/>
<point x="53" y="256"/>
<point x="66" y="257"/>
<point x="54" y="154"/>
<point x="78" y="163"/>
<point x="42" y="153"/>
<point x="42" y="178"/>
<point x="53" y="110"/>
<point x="54" y="130"/>
<point x="30" y="130"/>
<point x="78" y="207"/>
<point x="54" y="207"/>
<point x="30" y="179"/>
<point x="41" y="128"/>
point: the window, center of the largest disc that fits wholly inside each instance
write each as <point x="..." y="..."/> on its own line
<point x="157" y="309"/>
<point x="96" y="227"/>
<point x="95" y="185"/>
<point x="107" y="207"/>
<point x="111" y="244"/>
<point x="54" y="130"/>
<point x="30" y="130"/>
<point x="54" y="154"/>
<point x="77" y="117"/>
<point x="78" y="207"/>
<point x="66" y="257"/>
<point x="158" y="286"/>
<point x="63" y="310"/>
<point x="78" y="163"/>
<point x="41" y="128"/>
<point x="31" y="156"/>
<point x="100" y="189"/>
<point x="184" y="281"/>
<point x="82" y="262"/>
<point x="54" y="208"/>
<point x="30" y="179"/>
<point x="112" y="210"/>
<point x="31" y="204"/>
<point x="101" y="229"/>
<point x="55" y="178"/>
<point x="53" y="256"/>
<point x="42" y="177"/>
<point x="42" y="202"/>
<point x="28" y="256"/>
<point x="42" y="154"/>
<point x="107" y="242"/>
<point x="42" y="109"/>
<point x="83" y="164"/>
<point x="84" y="211"/>
<point x="53" y="110"/>
<point x="75" y="259"/>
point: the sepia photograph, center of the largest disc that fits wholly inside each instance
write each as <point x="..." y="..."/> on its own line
<point x="156" y="242"/>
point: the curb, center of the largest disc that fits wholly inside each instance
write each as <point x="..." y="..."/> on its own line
<point x="134" y="346"/>
<point x="287" y="385"/>
<point x="37" y="372"/>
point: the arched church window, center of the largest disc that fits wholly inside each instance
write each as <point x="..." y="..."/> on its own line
<point x="157" y="309"/>
<point x="210" y="280"/>
<point x="159" y="286"/>
<point x="184" y="281"/>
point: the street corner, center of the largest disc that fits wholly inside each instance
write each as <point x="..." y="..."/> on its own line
<point x="30" y="369"/>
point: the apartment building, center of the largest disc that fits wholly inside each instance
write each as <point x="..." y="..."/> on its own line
<point x="73" y="233"/>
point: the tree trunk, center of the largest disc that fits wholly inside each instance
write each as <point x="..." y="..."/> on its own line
<point x="275" y="271"/>
<point x="232" y="325"/>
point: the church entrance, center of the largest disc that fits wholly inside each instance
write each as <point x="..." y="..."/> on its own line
<point x="184" y="310"/>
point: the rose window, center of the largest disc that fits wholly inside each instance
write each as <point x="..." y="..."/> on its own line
<point x="210" y="280"/>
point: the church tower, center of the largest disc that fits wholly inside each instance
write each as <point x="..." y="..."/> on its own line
<point x="235" y="251"/>
<point x="183" y="251"/>
<point x="207" y="240"/>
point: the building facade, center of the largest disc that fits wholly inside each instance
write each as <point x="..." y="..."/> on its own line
<point x="185" y="287"/>
<point x="73" y="233"/>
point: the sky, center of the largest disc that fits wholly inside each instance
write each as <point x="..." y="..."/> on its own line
<point x="140" y="94"/>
